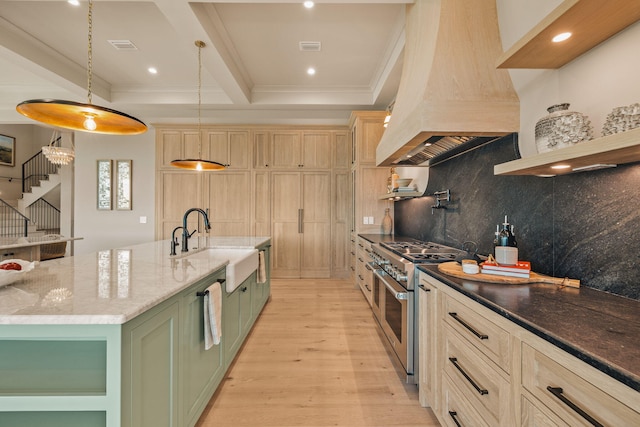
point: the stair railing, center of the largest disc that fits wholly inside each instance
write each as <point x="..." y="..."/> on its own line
<point x="14" y="224"/>
<point x="36" y="169"/>
<point x="45" y="216"/>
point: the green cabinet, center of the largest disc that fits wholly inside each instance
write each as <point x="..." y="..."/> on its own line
<point x="150" y="349"/>
<point x="236" y="317"/>
<point x="202" y="370"/>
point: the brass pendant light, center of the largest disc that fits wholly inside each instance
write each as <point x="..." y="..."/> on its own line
<point x="198" y="164"/>
<point x="78" y="116"/>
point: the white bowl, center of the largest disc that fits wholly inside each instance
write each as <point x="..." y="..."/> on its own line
<point x="404" y="182"/>
<point x="7" y="277"/>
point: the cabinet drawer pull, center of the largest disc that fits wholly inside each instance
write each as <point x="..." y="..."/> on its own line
<point x="360" y="277"/>
<point x="243" y="289"/>
<point x="482" y="391"/>
<point x="368" y="267"/>
<point x="368" y="288"/>
<point x="466" y="325"/>
<point x="454" y="415"/>
<point x="360" y="259"/>
<point x="557" y="392"/>
<point x="424" y="288"/>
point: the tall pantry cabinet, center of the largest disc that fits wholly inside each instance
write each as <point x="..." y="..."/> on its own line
<point x="368" y="183"/>
<point x="287" y="182"/>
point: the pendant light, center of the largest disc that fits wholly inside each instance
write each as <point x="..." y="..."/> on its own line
<point x="198" y="164"/>
<point x="56" y="154"/>
<point x="78" y="116"/>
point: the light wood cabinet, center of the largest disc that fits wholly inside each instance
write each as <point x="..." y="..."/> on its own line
<point x="564" y="389"/>
<point x="364" y="272"/>
<point x="177" y="191"/>
<point x="286" y="149"/>
<point x="367" y="180"/>
<point x="367" y="128"/>
<point x="341" y="150"/>
<point x="490" y="371"/>
<point x="228" y="196"/>
<point x="175" y="144"/>
<point x="428" y="326"/>
<point x="230" y="148"/>
<point x="301" y="224"/>
<point x="261" y="149"/>
<point x="340" y="223"/>
<point x="241" y="199"/>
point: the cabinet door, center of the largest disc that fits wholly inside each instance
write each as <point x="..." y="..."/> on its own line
<point x="231" y="330"/>
<point x="239" y="149"/>
<point x="229" y="148"/>
<point x="177" y="192"/>
<point x="151" y="344"/>
<point x="229" y="201"/>
<point x="261" y="149"/>
<point x="218" y="147"/>
<point x="286" y="149"/>
<point x="341" y="151"/>
<point x="286" y="205"/>
<point x="370" y="132"/>
<point x="246" y="312"/>
<point x="176" y="144"/>
<point x="316" y="150"/>
<point x="428" y="332"/>
<point x="370" y="183"/>
<point x="202" y="370"/>
<point x="316" y="225"/>
<point x="340" y="223"/>
<point x="261" y="204"/>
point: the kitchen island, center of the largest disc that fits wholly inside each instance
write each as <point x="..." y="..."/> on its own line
<point x="116" y="338"/>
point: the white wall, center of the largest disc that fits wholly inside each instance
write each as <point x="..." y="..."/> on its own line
<point x="111" y="229"/>
<point x="595" y="83"/>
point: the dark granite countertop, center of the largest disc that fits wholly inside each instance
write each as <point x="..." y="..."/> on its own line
<point x="599" y="328"/>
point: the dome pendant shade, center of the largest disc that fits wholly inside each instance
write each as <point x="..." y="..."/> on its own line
<point x="81" y="117"/>
<point x="197" y="164"/>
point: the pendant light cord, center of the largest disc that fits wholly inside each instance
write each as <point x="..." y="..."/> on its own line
<point x="90" y="51"/>
<point x="200" y="45"/>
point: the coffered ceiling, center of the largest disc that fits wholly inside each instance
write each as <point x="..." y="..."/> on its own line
<point x="253" y="70"/>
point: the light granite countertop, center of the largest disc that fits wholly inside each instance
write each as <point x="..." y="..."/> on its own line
<point x="112" y="286"/>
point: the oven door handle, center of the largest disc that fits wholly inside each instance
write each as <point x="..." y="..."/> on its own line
<point x="400" y="295"/>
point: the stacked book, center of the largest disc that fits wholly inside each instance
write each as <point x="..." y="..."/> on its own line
<point x="520" y="269"/>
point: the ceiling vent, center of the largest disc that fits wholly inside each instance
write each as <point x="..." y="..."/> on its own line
<point x="310" y="46"/>
<point x="123" y="44"/>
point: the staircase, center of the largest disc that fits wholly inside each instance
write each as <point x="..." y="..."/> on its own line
<point x="32" y="215"/>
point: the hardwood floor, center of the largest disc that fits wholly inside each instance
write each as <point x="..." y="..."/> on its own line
<point x="314" y="358"/>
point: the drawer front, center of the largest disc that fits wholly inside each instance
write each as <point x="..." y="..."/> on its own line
<point x="533" y="416"/>
<point x="572" y="398"/>
<point x="456" y="410"/>
<point x="483" y="333"/>
<point x="478" y="380"/>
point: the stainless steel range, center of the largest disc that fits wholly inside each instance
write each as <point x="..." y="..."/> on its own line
<point x="393" y="302"/>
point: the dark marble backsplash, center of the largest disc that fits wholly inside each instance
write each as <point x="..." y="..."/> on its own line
<point x="582" y="225"/>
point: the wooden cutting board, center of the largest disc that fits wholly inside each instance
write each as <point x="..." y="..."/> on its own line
<point x="454" y="269"/>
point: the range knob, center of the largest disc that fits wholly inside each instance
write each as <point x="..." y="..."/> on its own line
<point x="401" y="277"/>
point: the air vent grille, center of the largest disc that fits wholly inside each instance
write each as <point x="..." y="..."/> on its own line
<point x="123" y="44"/>
<point x="310" y="46"/>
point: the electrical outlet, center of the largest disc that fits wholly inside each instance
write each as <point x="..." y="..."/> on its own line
<point x="371" y="221"/>
<point x="143" y="220"/>
<point x="365" y="220"/>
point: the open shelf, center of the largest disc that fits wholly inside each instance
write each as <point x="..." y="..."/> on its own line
<point x="613" y="149"/>
<point x="590" y="21"/>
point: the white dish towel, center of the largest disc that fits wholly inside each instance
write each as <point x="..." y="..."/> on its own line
<point x="262" y="268"/>
<point x="212" y="315"/>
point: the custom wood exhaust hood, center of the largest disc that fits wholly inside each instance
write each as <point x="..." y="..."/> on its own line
<point x="450" y="85"/>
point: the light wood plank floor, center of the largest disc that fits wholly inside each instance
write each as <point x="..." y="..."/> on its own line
<point x="315" y="358"/>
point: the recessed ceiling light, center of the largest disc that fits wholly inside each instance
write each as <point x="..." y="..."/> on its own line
<point x="561" y="37"/>
<point x="560" y="166"/>
<point x="308" y="4"/>
<point x="311" y="71"/>
<point x="152" y="70"/>
<point x="74" y="2"/>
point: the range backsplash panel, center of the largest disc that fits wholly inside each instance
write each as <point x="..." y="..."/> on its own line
<point x="582" y="225"/>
